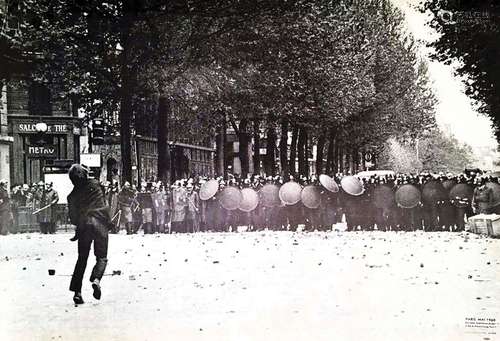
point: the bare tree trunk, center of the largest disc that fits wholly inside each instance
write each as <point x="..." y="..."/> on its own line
<point x="162" y="133"/>
<point x="128" y="75"/>
<point x="256" y="145"/>
<point x="301" y="151"/>
<point x="355" y="160"/>
<point x="336" y="152"/>
<point x="349" y="160"/>
<point x="307" y="152"/>
<point x="243" y="150"/>
<point x="341" y="158"/>
<point x="228" y="149"/>
<point x="319" y="154"/>
<point x="284" y="149"/>
<point x="126" y="111"/>
<point x="292" y="168"/>
<point x="125" y="134"/>
<point x="270" y="151"/>
<point x="330" y="154"/>
<point x="221" y="149"/>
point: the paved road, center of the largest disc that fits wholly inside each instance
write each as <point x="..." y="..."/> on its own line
<point x="256" y="286"/>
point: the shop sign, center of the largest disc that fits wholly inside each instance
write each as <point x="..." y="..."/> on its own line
<point x="47" y="151"/>
<point x="51" y="128"/>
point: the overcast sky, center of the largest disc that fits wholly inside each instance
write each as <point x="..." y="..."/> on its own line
<point x="455" y="110"/>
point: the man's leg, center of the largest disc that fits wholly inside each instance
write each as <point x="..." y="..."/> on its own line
<point x="100" y="251"/>
<point x="53" y="227"/>
<point x="188" y="226"/>
<point x="427" y="218"/>
<point x="196" y="224"/>
<point x="100" y="235"/>
<point x="3" y="227"/>
<point x="130" y="227"/>
<point x="460" y="211"/>
<point x="84" y="242"/>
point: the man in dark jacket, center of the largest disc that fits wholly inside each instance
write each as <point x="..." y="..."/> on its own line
<point x="88" y="211"/>
<point x="482" y="199"/>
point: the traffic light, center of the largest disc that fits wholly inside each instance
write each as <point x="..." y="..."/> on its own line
<point x="97" y="131"/>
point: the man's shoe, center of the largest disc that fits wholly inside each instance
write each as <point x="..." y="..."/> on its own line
<point x="78" y="298"/>
<point x="97" y="289"/>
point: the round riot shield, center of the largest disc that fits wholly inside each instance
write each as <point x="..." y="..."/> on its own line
<point x="329" y="183"/>
<point x="208" y="189"/>
<point x="249" y="200"/>
<point x="230" y="198"/>
<point x="289" y="193"/>
<point x="408" y="196"/>
<point x="352" y="185"/>
<point x="311" y="196"/>
<point x="461" y="194"/>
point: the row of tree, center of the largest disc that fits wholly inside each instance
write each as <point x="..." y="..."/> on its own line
<point x="342" y="75"/>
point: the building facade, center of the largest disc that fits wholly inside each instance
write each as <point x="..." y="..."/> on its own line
<point x="186" y="160"/>
<point x="5" y="139"/>
<point x="44" y="130"/>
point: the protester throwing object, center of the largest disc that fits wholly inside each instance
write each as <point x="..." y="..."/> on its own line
<point x="88" y="211"/>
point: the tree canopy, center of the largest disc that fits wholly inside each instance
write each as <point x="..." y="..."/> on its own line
<point x="469" y="32"/>
<point x="342" y="73"/>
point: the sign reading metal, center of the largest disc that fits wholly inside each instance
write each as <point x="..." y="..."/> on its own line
<point x="51" y="128"/>
<point x="42" y="151"/>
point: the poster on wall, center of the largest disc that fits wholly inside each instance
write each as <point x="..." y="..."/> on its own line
<point x="62" y="185"/>
<point x="90" y="160"/>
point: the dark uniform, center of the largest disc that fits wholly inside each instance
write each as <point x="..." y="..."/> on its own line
<point x="329" y="206"/>
<point x="482" y="200"/>
<point x="430" y="214"/>
<point x="210" y="208"/>
<point x="112" y="201"/>
<point x="125" y="200"/>
<point x="367" y="207"/>
<point x="351" y="206"/>
<point x="145" y="200"/>
<point x="192" y="212"/>
<point x="51" y="198"/>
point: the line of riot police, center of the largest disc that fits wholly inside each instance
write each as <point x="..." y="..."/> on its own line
<point x="385" y="202"/>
